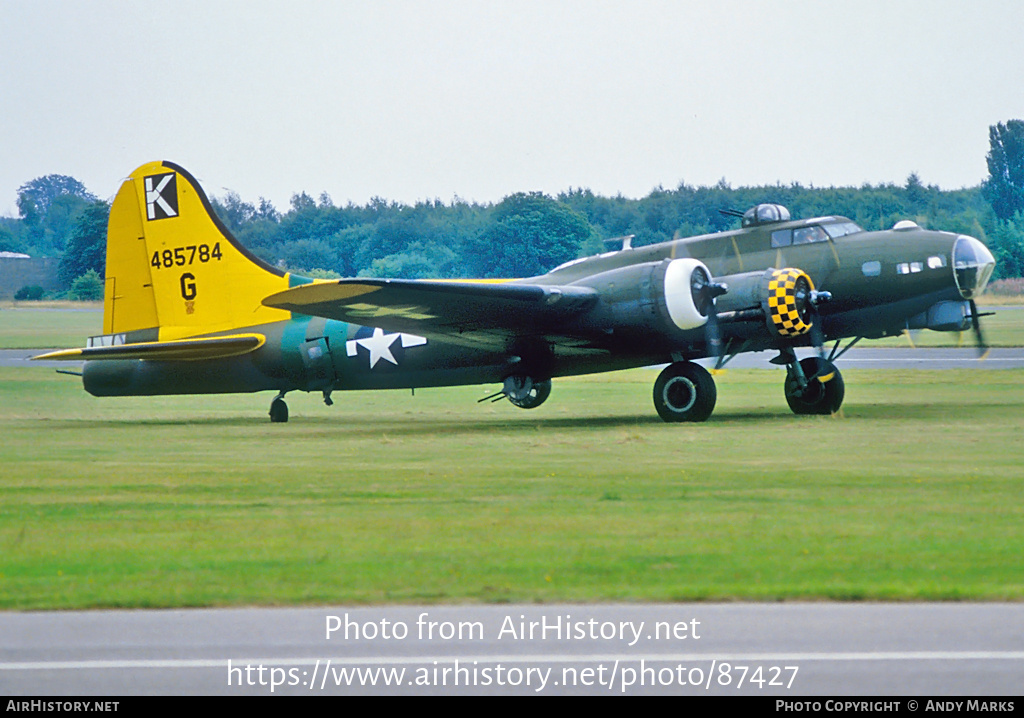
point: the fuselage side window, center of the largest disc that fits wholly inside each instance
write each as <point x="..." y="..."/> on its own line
<point x="871" y="269"/>
<point x="782" y="238"/>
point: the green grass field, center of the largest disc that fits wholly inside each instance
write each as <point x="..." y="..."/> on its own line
<point x="914" y="492"/>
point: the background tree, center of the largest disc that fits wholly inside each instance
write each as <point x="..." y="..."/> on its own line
<point x="30" y="292"/>
<point x="87" y="288"/>
<point x="232" y="211"/>
<point x="1004" y="188"/>
<point x="529" y="234"/>
<point x="305" y="254"/>
<point x="48" y="207"/>
<point x="86" y="245"/>
<point x="36" y="196"/>
<point x="9" y="242"/>
<point x="418" y="261"/>
<point x="1006" y="241"/>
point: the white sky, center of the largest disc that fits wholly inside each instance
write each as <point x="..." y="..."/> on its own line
<point x="423" y="99"/>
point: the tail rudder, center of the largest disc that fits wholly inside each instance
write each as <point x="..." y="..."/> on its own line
<point x="172" y="265"/>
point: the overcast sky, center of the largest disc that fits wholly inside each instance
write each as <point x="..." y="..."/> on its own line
<point x="424" y="99"/>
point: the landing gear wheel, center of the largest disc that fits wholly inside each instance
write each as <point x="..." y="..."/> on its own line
<point x="685" y="391"/>
<point x="278" y="411"/>
<point x="527" y="393"/>
<point x="824" y="391"/>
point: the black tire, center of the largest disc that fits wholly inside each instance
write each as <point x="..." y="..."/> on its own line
<point x="819" y="397"/>
<point x="685" y="391"/>
<point x="278" y="411"/>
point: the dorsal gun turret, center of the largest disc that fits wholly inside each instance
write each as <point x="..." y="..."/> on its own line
<point x="765" y="214"/>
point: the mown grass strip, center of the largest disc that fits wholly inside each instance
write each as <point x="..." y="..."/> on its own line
<point x="913" y="492"/>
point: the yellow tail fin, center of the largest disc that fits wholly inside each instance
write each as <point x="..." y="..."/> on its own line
<point x="173" y="269"/>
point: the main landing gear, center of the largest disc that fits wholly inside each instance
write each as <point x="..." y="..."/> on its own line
<point x="523" y="391"/>
<point x="813" y="386"/>
<point x="685" y="391"/>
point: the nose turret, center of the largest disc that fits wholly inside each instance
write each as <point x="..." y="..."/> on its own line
<point x="972" y="266"/>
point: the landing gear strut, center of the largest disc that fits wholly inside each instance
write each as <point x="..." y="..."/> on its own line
<point x="814" y="386"/>
<point x="278" y="410"/>
<point x="685" y="391"/>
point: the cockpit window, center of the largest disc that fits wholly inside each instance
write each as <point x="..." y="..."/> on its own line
<point x="782" y="238"/>
<point x="812" y="233"/>
<point x="806" y="235"/>
<point x="841" y="229"/>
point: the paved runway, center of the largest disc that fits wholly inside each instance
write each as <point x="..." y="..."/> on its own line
<point x="776" y="649"/>
<point x="869" y="357"/>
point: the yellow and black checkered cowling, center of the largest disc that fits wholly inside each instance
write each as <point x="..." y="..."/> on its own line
<point x="784" y="316"/>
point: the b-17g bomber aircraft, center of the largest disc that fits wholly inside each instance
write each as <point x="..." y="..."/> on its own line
<point x="188" y="310"/>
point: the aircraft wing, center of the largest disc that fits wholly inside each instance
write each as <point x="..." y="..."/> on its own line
<point x="442" y="308"/>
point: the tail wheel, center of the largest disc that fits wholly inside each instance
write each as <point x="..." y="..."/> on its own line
<point x="278" y="411"/>
<point x="824" y="390"/>
<point x="685" y="391"/>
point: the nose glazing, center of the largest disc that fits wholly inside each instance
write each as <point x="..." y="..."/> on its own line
<point x="972" y="266"/>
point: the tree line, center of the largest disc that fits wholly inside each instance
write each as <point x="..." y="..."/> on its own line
<point x="526" y="233"/>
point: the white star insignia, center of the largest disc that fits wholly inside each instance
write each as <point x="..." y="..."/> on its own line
<point x="379" y="345"/>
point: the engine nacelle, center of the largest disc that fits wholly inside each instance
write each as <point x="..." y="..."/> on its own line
<point x="783" y="297"/>
<point x="653" y="298"/>
<point x="685" y="300"/>
<point x="787" y="301"/>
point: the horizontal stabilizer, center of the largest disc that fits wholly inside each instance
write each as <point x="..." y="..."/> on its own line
<point x="180" y="350"/>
